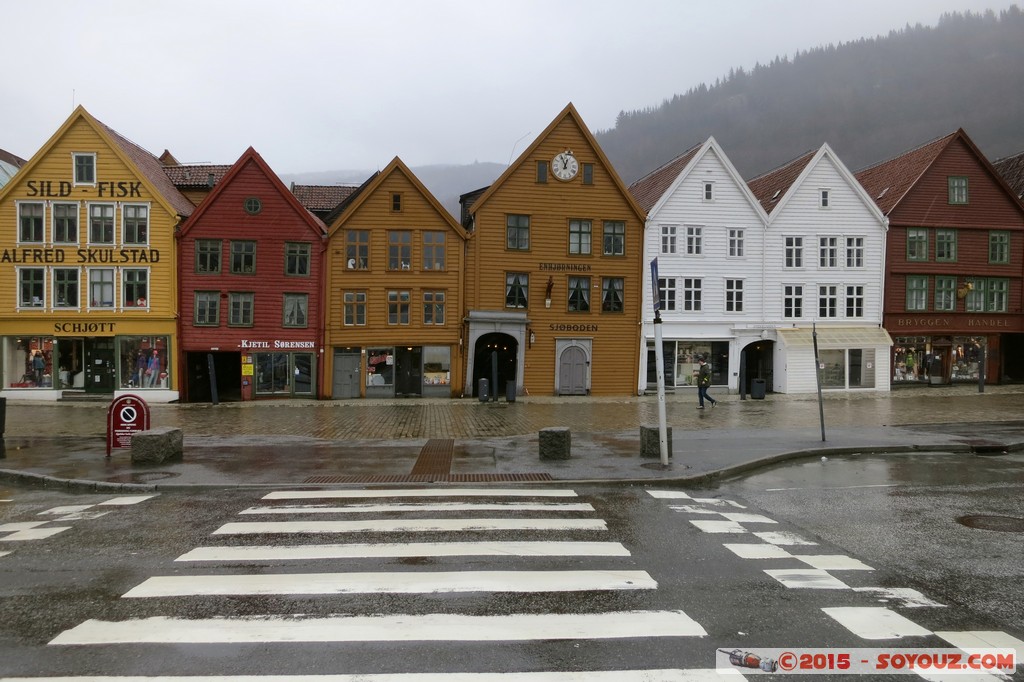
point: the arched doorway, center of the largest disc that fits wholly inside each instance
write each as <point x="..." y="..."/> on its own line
<point x="758" y="364"/>
<point x="495" y="354"/>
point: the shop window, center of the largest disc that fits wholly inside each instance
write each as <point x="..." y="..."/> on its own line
<point x="380" y="367"/>
<point x="912" y="359"/>
<point x="271" y="373"/>
<point x="296" y="259"/>
<point x="399" y="250"/>
<point x="682" y="362"/>
<point x="31" y="287"/>
<point x="296" y="310"/>
<point x="207" y="309"/>
<point x="968" y="356"/>
<point x="579" y="237"/>
<point x="302" y="373"/>
<point x="437" y="366"/>
<point x="30" y="222"/>
<point x="135" y="287"/>
<point x="355" y="308"/>
<point x="611" y="294"/>
<point x="144" y="362"/>
<point x="832" y="368"/>
<point x="65" y="287"/>
<point x="208" y="256"/>
<point x="243" y="258"/>
<point x="136" y="224"/>
<point x="101" y="287"/>
<point x="65" y="223"/>
<point x="357" y="249"/>
<point x="28" y="361"/>
<point x="434" y="250"/>
<point x="101" y="224"/>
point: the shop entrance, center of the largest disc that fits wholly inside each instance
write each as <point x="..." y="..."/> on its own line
<point x="346" y="374"/>
<point x="99" y="365"/>
<point x="1012" y="356"/>
<point x="495" y="354"/>
<point x="71" y="361"/>
<point x="758" y="365"/>
<point x="409" y="377"/>
<point x="227" y="370"/>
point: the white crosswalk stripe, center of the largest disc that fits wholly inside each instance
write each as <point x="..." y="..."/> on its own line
<point x="419" y="507"/>
<point x="407" y="525"/>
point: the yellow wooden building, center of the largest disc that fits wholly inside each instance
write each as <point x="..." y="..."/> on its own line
<point x="393" y="287"/>
<point x="554" y="272"/>
<point x="88" y="271"/>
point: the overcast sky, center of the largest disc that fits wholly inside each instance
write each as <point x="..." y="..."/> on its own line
<point x="317" y="85"/>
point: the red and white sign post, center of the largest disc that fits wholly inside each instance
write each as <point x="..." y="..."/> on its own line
<point x="128" y="414"/>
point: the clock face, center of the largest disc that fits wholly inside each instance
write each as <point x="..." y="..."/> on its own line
<point x="565" y="166"/>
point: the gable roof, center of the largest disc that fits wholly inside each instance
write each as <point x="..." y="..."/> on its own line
<point x="147" y="166"/>
<point x="887" y="182"/>
<point x="653" y="186"/>
<point x="196" y="176"/>
<point x="250" y="156"/>
<point x="769" y="188"/>
<point x="9" y="165"/>
<point x="358" y="197"/>
<point x="568" y="112"/>
<point x="1011" y="168"/>
<point x="322" y="198"/>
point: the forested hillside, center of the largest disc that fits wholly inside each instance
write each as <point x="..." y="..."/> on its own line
<point x="869" y="100"/>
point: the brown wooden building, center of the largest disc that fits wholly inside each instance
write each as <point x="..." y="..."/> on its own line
<point x="954" y="264"/>
<point x="251" y="264"/>
<point x="393" y="289"/>
<point x="554" y="272"/>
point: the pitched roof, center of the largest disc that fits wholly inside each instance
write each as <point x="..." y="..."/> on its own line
<point x="252" y="156"/>
<point x="769" y="187"/>
<point x="322" y="197"/>
<point x="889" y="181"/>
<point x="1012" y="170"/>
<point x="651" y="187"/>
<point x="10" y="158"/>
<point x="9" y="165"/>
<point x="196" y="176"/>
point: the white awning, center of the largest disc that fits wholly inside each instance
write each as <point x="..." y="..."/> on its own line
<point x="835" y="337"/>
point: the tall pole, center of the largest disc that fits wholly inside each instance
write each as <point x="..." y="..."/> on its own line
<point x="817" y="377"/>
<point x="659" y="361"/>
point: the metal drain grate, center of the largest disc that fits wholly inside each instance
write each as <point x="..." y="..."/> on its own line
<point x="435" y="458"/>
<point x="426" y="478"/>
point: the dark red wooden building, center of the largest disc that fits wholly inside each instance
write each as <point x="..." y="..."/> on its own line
<point x="954" y="265"/>
<point x="251" y="262"/>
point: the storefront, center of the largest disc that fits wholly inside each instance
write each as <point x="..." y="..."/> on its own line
<point x="682" y="362"/>
<point x="255" y="369"/>
<point x="938" y="360"/>
<point x="408" y="371"/>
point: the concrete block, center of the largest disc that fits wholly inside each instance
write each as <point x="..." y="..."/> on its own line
<point x="156" y="446"/>
<point x="555" y="443"/>
<point x="650" y="442"/>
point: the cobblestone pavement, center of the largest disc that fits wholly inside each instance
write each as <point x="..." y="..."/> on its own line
<point x="469" y="418"/>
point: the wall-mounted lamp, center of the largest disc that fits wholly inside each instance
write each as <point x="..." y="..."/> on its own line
<point x="967" y="288"/>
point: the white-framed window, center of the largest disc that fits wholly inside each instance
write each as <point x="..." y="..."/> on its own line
<point x="792" y="300"/>
<point x="794" y="252"/>
<point x="708" y="193"/>
<point x="734" y="295"/>
<point x="667" y="292"/>
<point x="668" y="238"/>
<point x="135" y="287"/>
<point x="855" y="252"/>
<point x="736" y="238"/>
<point x="824" y="198"/>
<point x="694" y="240"/>
<point x="101" y="224"/>
<point x="30" y="222"/>
<point x="84" y="168"/>
<point x="828" y="300"/>
<point x="692" y="290"/>
<point x="65" y="223"/>
<point x="135" y="224"/>
<point x="828" y="252"/>
<point x="101" y="287"/>
<point x="66" y="287"/>
<point x="31" y="287"/>
<point x="855" y="300"/>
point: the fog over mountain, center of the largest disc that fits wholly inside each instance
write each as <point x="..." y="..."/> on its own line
<point x="869" y="100"/>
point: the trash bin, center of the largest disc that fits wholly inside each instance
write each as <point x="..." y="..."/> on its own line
<point x="510" y="391"/>
<point x="483" y="390"/>
<point x="757" y="389"/>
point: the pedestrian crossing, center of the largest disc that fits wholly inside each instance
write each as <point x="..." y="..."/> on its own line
<point x="463" y="547"/>
<point x="21" y="531"/>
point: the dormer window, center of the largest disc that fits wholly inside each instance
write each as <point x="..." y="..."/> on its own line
<point x="85" y="169"/>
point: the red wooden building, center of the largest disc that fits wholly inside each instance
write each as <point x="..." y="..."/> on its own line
<point x="251" y="262"/>
<point x="954" y="264"/>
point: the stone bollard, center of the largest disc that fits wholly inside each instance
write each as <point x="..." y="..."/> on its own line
<point x="555" y="443"/>
<point x="156" y="446"/>
<point x="650" y="441"/>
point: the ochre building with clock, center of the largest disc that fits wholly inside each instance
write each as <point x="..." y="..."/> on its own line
<point x="554" y="272"/>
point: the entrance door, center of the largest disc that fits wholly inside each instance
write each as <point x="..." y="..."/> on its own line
<point x="572" y="372"/>
<point x="99" y="366"/>
<point x="346" y="376"/>
<point x="409" y="371"/>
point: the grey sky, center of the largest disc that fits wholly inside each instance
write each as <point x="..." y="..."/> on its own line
<point x="318" y="85"/>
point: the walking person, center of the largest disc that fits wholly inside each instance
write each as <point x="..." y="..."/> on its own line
<point x="704" y="383"/>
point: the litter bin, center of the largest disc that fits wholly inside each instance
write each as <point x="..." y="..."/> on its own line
<point x="757" y="389"/>
<point x="510" y="391"/>
<point x="483" y="390"/>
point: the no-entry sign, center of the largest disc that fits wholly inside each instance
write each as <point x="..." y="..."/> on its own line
<point x="128" y="414"/>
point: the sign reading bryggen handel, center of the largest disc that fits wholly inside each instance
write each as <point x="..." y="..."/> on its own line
<point x="127" y="415"/>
